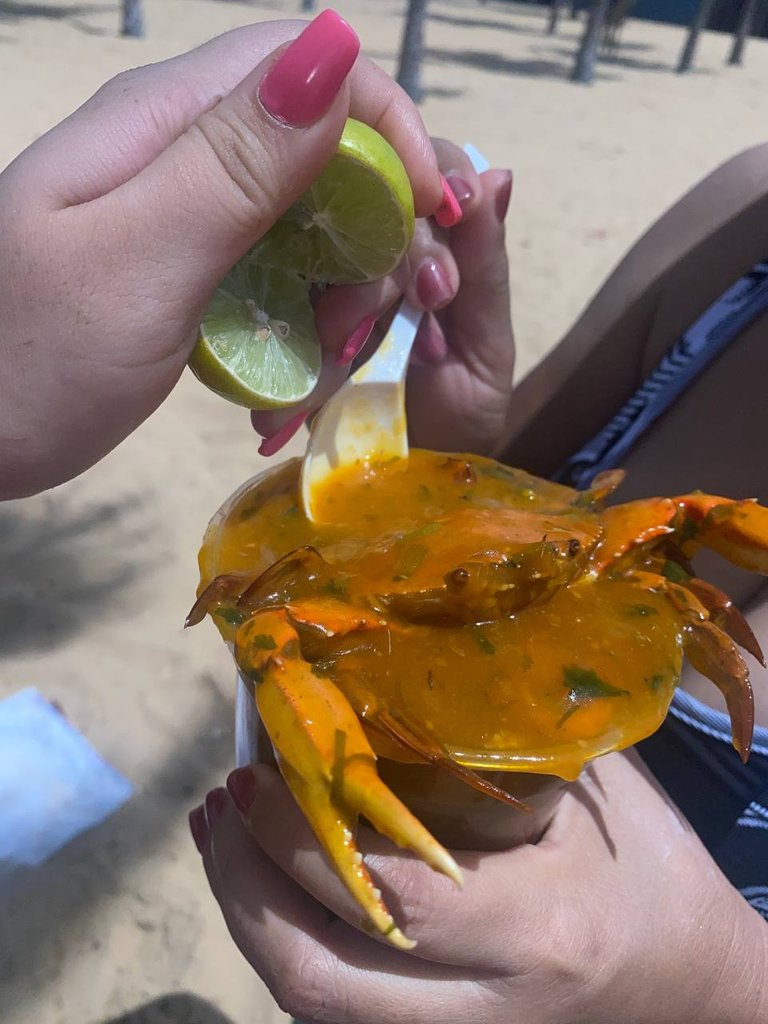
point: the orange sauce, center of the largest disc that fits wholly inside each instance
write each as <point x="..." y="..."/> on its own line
<point x="586" y="667"/>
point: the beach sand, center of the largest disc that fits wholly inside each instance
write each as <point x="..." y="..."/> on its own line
<point x="98" y="575"/>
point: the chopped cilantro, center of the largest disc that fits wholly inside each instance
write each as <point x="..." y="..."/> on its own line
<point x="585" y="685"/>
<point x="674" y="573"/>
<point x="264" y="642"/>
<point x="422" y="531"/>
<point x="231" y="615"/>
<point x="409" y="561"/>
<point x="483" y="642"/>
<point x="335" y="588"/>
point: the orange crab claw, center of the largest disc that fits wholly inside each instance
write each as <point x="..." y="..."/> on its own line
<point x="223" y="588"/>
<point x="737" y="530"/>
<point x="629" y="525"/>
<point x="328" y="763"/>
<point x="273" y="586"/>
<point x="712" y="653"/>
<point x="431" y="753"/>
<point x="715" y="655"/>
<point x="724" y="613"/>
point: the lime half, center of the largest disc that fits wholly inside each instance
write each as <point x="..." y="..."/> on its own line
<point x="354" y="223"/>
<point x="258" y="345"/>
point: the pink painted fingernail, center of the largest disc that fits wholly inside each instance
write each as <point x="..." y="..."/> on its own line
<point x="502" y="198"/>
<point x="198" y="826"/>
<point x="448" y="212"/>
<point x="354" y="343"/>
<point x="215" y="805"/>
<point x="281" y="437"/>
<point x="242" y="788"/>
<point x="432" y="285"/>
<point x="460" y="188"/>
<point x="305" y="79"/>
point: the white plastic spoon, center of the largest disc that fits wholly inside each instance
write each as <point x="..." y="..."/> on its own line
<point x="365" y="420"/>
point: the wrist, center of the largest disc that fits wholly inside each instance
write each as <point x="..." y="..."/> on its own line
<point x="740" y="969"/>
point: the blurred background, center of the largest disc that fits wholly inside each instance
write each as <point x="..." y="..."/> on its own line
<point x="606" y="112"/>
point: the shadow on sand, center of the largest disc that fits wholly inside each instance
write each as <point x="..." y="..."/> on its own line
<point x="178" y="1008"/>
<point x="51" y="586"/>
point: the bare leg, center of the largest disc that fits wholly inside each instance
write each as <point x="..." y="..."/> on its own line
<point x="716" y="436"/>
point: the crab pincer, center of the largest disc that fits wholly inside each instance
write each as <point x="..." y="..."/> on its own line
<point x="327" y="761"/>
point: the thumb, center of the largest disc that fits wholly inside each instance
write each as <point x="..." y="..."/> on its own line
<point x="218" y="187"/>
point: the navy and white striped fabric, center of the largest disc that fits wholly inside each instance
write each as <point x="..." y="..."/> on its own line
<point x="691" y="755"/>
<point x="687" y="359"/>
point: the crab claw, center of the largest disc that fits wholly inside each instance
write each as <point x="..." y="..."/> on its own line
<point x="715" y="655"/>
<point x="737" y="530"/>
<point x="328" y="763"/>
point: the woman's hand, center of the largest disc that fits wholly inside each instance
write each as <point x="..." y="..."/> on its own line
<point x="617" y="915"/>
<point x="460" y="377"/>
<point x="116" y="226"/>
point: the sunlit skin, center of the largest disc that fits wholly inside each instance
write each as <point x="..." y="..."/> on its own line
<point x="452" y="611"/>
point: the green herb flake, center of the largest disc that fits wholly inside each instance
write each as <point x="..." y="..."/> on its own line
<point x="483" y="642"/>
<point x="585" y="685"/>
<point x="231" y="615"/>
<point x="469" y="496"/>
<point x="656" y="682"/>
<point x="422" y="531"/>
<point x="409" y="561"/>
<point x="641" y="611"/>
<point x="425" y="492"/>
<point x="335" y="588"/>
<point x="674" y="573"/>
<point x="264" y="642"/>
<point x="292" y="511"/>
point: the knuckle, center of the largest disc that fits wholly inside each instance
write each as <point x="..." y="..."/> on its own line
<point x="239" y="152"/>
<point x="308" y="986"/>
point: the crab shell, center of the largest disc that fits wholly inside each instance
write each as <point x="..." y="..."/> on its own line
<point x="464" y="615"/>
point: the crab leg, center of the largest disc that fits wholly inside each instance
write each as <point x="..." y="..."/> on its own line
<point x="714" y="654"/>
<point x="724" y="613"/>
<point x="737" y="530"/>
<point x="328" y="763"/>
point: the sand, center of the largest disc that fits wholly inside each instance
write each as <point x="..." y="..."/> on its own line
<point x="98" y="574"/>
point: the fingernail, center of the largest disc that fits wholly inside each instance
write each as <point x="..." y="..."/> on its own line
<point x="281" y="437"/>
<point x="305" y="79"/>
<point x="461" y="189"/>
<point x="448" y="212"/>
<point x="242" y="788"/>
<point x="356" y="340"/>
<point x="432" y="285"/>
<point x="215" y="805"/>
<point x="502" y="198"/>
<point x="198" y="826"/>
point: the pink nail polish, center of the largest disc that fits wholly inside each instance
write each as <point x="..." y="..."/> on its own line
<point x="305" y="79"/>
<point x="272" y="444"/>
<point x="448" y="212"/>
<point x="432" y="285"/>
<point x="198" y="826"/>
<point x="502" y="198"/>
<point x="215" y="805"/>
<point x="461" y="189"/>
<point x="242" y="788"/>
<point x="354" y="343"/>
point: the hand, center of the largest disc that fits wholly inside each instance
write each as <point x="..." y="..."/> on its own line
<point x="617" y="914"/>
<point x="116" y="226"/>
<point x="460" y="378"/>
